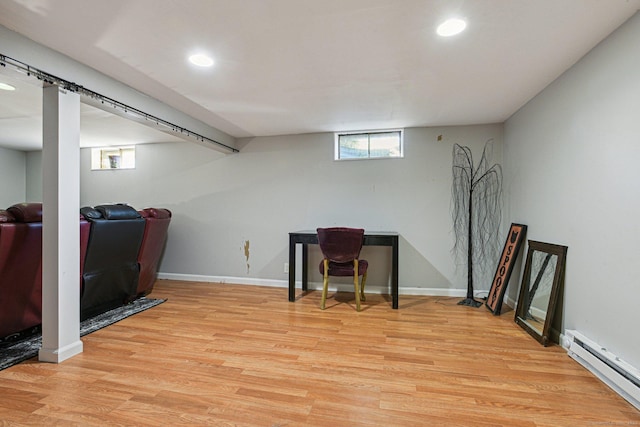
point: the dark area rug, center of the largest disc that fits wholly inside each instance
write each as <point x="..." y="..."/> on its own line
<point x="18" y="351"/>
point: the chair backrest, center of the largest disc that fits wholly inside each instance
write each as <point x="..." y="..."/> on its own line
<point x="110" y="271"/>
<point x="153" y="241"/>
<point x="20" y="268"/>
<point x="340" y="244"/>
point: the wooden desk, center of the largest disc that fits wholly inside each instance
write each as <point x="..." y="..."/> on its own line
<point x="310" y="237"/>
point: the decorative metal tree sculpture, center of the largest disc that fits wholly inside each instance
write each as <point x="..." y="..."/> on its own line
<point x="476" y="211"/>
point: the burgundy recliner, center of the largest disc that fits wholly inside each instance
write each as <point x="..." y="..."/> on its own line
<point x="153" y="242"/>
<point x="20" y="268"/>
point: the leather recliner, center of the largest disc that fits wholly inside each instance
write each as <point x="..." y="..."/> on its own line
<point x="111" y="271"/>
<point x="20" y="268"/>
<point x="153" y="243"/>
<point x="121" y="264"/>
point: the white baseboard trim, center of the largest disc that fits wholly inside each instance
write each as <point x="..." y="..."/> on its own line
<point x="57" y="355"/>
<point x="252" y="281"/>
<point x="224" y="279"/>
<point x="510" y="302"/>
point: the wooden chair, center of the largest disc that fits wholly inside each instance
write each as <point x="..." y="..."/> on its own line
<point x="341" y="247"/>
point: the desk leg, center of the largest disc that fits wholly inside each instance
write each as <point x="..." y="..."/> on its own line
<point x="394" y="273"/>
<point x="292" y="269"/>
<point x="305" y="267"/>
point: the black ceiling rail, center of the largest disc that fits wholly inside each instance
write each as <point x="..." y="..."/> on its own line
<point x="74" y="87"/>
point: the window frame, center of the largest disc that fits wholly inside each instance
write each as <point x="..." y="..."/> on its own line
<point x="368" y="133"/>
<point x="100" y="152"/>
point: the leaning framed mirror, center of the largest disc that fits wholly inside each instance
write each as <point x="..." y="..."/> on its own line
<point x="542" y="280"/>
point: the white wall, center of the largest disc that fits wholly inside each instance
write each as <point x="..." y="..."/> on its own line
<point x="572" y="158"/>
<point x="34" y="176"/>
<point x="12" y="176"/>
<point x="280" y="184"/>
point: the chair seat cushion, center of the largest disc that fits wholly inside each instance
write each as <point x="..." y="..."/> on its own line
<point x="344" y="268"/>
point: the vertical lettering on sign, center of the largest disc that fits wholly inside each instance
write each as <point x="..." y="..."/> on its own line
<point x="505" y="266"/>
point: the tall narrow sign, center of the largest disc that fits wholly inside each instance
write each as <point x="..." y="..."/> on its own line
<point x="505" y="267"/>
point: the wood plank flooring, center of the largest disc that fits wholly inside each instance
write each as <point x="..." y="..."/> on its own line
<point x="233" y="355"/>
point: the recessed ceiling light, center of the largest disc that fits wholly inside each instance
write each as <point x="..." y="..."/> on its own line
<point x="4" y="86"/>
<point x="451" y="27"/>
<point x="201" y="60"/>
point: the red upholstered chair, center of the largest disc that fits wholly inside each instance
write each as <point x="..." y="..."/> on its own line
<point x="341" y="247"/>
<point x="153" y="241"/>
<point x="20" y="268"/>
<point x="85" y="230"/>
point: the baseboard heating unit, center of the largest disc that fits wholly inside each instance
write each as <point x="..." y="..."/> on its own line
<point x="623" y="378"/>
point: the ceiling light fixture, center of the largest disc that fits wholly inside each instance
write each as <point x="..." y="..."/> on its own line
<point x="5" y="86"/>
<point x="201" y="60"/>
<point x="451" y="27"/>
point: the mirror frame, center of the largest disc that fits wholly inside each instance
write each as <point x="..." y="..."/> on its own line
<point x="558" y="281"/>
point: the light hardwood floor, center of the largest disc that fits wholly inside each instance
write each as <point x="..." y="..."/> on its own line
<point x="233" y="355"/>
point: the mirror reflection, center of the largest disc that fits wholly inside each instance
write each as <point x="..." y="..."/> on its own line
<point x="543" y="276"/>
<point x="543" y="268"/>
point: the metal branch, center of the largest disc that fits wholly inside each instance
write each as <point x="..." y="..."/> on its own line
<point x="476" y="212"/>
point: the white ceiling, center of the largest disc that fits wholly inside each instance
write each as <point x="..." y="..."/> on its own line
<point x="300" y="66"/>
<point x="21" y="120"/>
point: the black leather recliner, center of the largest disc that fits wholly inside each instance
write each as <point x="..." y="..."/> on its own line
<point x="111" y="270"/>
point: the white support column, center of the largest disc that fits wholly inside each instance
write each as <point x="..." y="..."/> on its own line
<point x="60" y="225"/>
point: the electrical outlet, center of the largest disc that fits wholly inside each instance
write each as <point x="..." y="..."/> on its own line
<point x="286" y="267"/>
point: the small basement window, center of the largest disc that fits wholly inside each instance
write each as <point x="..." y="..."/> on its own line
<point x="369" y="145"/>
<point x="113" y="158"/>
